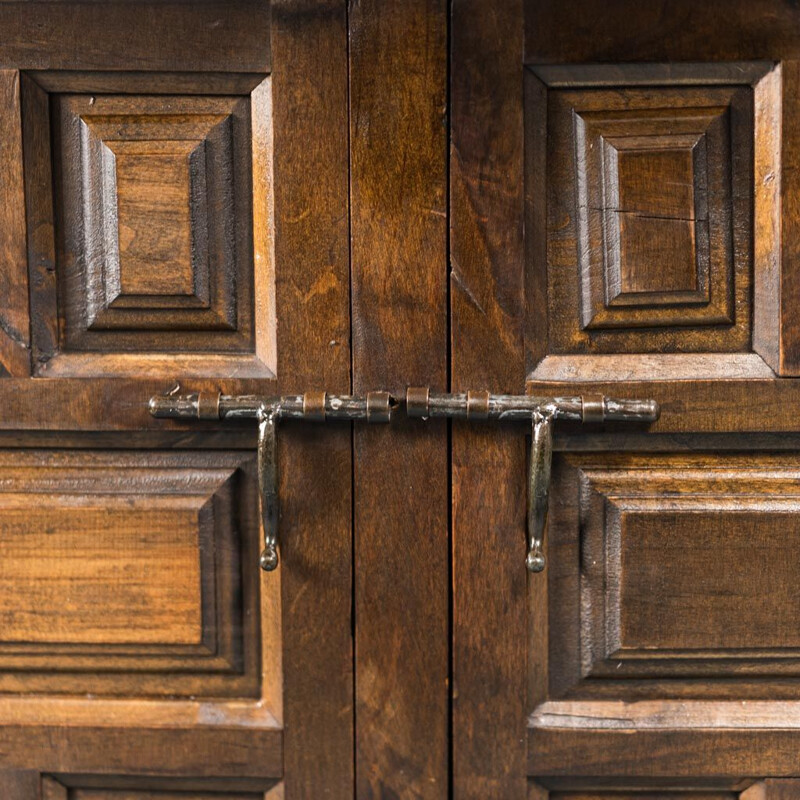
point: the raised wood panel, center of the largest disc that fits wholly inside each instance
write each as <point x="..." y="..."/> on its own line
<point x="640" y="191"/>
<point x="669" y="577"/>
<point x="654" y="235"/>
<point x="163" y="229"/>
<point x="118" y="565"/>
<point x="151" y="594"/>
<point x="154" y="195"/>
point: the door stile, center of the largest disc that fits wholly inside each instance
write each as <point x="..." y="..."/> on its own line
<point x="309" y="42"/>
<point x="487" y="307"/>
<point x="398" y="90"/>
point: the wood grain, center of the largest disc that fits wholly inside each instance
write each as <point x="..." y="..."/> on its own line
<point x="216" y="36"/>
<point x="309" y="41"/>
<point x="20" y="786"/>
<point x="487" y="315"/>
<point x="786" y="196"/>
<point x="660" y="31"/>
<point x="150" y="598"/>
<point x="658" y="566"/>
<point x="14" y="312"/>
<point x="398" y="86"/>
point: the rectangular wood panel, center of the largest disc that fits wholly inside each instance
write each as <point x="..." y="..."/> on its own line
<point x="126" y="575"/>
<point x="162" y="254"/>
<point x="669" y="577"/>
<point x="622" y="267"/>
<point x="150" y="595"/>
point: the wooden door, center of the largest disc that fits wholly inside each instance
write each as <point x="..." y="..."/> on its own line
<point x="174" y="215"/>
<point x="624" y="219"/>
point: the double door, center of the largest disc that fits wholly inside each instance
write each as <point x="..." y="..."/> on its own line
<point x="262" y="199"/>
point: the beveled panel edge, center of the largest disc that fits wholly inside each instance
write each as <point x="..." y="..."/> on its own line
<point x="686" y="73"/>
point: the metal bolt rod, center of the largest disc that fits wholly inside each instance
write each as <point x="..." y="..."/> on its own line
<point x="373" y="407"/>
<point x="520" y="408"/>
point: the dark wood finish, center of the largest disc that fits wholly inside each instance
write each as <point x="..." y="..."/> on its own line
<point x="671" y="752"/>
<point x="215" y="36"/>
<point x="633" y="266"/>
<point x="297" y="195"/>
<point x="309" y="41"/>
<point x="398" y="90"/>
<point x="151" y="597"/>
<point x="660" y="210"/>
<point x="143" y="653"/>
<point x="776" y="330"/>
<point x="658" y="569"/>
<point x="487" y="317"/>
<point x="168" y="182"/>
<point x="20" y="785"/>
<point x="78" y="741"/>
<point x="660" y="32"/>
<point x="14" y="318"/>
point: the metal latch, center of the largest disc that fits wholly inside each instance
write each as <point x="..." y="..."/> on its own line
<point x="541" y="412"/>
<point x="268" y="411"/>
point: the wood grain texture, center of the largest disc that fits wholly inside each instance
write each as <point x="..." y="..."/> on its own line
<point x="216" y="36"/>
<point x="14" y="311"/>
<point x="658" y="568"/>
<point x="21" y="786"/>
<point x="672" y="753"/>
<point x="309" y="41"/>
<point x="150" y="597"/>
<point x="721" y="404"/>
<point x="161" y="225"/>
<point x="778" y="235"/>
<point x="398" y="87"/>
<point x="487" y="314"/>
<point x="625" y="276"/>
<point x="660" y="31"/>
<point x="123" y="746"/>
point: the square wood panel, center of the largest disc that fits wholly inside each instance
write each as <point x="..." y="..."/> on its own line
<point x="666" y="570"/>
<point x="640" y="211"/>
<point x="151" y="595"/>
<point x="162" y="258"/>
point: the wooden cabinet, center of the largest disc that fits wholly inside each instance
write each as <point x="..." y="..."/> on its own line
<point x="270" y="198"/>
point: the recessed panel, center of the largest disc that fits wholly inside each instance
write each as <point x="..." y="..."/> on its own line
<point x="155" y="211"/>
<point x="670" y="575"/>
<point x="125" y="574"/>
<point x="160" y="255"/>
<point x="640" y="208"/>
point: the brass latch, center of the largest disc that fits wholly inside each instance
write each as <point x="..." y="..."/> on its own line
<point x="311" y="406"/>
<point x="541" y="412"/>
